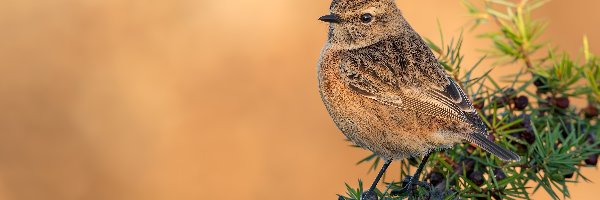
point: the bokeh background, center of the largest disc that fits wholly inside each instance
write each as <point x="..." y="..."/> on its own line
<point x="193" y="99"/>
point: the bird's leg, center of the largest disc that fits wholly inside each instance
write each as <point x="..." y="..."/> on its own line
<point x="370" y="194"/>
<point x="413" y="179"/>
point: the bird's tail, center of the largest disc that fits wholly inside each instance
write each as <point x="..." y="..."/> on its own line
<point x="489" y="146"/>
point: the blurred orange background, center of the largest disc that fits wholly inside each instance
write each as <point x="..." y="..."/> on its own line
<point x="182" y="99"/>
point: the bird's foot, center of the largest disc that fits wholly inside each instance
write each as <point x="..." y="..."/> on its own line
<point x="406" y="180"/>
<point x="409" y="187"/>
<point x="369" y="195"/>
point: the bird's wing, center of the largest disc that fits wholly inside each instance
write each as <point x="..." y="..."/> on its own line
<point x="458" y="97"/>
<point x="479" y="137"/>
<point x="380" y="81"/>
<point x="375" y="81"/>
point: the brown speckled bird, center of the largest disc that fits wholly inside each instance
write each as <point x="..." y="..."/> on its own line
<point x="386" y="91"/>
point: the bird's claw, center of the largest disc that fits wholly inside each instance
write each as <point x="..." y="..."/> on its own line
<point x="406" y="180"/>
<point x="407" y="188"/>
<point x="369" y="195"/>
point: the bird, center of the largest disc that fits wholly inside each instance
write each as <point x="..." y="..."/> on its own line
<point x="386" y="91"/>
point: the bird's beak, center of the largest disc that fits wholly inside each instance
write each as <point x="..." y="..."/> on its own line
<point x="332" y="18"/>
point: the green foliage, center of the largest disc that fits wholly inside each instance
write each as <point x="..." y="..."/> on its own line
<point x="528" y="112"/>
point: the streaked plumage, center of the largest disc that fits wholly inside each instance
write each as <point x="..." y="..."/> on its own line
<point x="386" y="91"/>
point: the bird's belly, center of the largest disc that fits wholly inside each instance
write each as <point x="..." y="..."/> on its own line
<point x="394" y="133"/>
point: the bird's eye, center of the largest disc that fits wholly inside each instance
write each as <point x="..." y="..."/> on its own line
<point x="366" y="18"/>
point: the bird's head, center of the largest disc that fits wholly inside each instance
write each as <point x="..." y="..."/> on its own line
<point x="359" y="23"/>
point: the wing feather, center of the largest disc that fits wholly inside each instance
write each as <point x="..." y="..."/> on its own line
<point x="427" y="89"/>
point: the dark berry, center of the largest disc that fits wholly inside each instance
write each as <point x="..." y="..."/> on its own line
<point x="496" y="195"/>
<point x="528" y="136"/>
<point x="526" y="123"/>
<point x="562" y="102"/>
<point x="542" y="84"/>
<point x="591" y="139"/>
<point x="521" y="102"/>
<point x="477" y="178"/>
<point x="469" y="165"/>
<point x="590" y="112"/>
<point x="435" y="178"/>
<point x="500" y="101"/>
<point x="479" y="103"/>
<point x="569" y="175"/>
<point x="499" y="174"/>
<point x="466" y="165"/>
<point x="592" y="160"/>
<point x="539" y="81"/>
